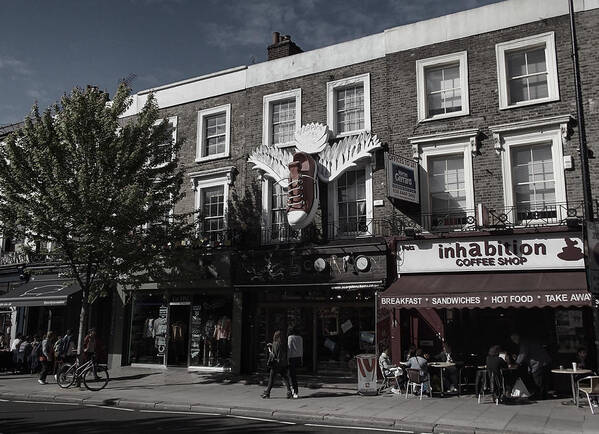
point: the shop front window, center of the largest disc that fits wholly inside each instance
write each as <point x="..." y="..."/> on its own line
<point x="343" y="333"/>
<point x="211" y="332"/>
<point x="148" y="330"/>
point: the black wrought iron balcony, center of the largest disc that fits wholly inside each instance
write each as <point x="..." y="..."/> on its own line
<point x="347" y="229"/>
<point x="534" y="215"/>
<point x="458" y="220"/>
<point x="483" y="218"/>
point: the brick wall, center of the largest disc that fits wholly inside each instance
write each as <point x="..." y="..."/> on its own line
<point x="394" y="108"/>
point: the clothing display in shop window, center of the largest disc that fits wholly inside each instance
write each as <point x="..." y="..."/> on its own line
<point x="148" y="328"/>
<point x="223" y="328"/>
<point x="209" y="328"/>
<point x="160" y="327"/>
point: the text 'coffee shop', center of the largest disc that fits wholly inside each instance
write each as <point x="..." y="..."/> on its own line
<point x="475" y="292"/>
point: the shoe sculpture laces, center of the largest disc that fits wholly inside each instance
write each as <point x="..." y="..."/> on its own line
<point x="302" y="190"/>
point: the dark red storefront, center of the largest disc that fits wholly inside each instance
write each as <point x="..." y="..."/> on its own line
<point x="541" y="295"/>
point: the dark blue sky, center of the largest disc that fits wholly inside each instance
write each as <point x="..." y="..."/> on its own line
<point x="49" y="46"/>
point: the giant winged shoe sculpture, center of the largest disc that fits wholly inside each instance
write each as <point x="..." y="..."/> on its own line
<point x="314" y="158"/>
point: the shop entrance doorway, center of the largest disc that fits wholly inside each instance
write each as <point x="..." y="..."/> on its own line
<point x="178" y="331"/>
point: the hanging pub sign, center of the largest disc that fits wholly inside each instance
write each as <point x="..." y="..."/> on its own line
<point x="504" y="253"/>
<point x="402" y="178"/>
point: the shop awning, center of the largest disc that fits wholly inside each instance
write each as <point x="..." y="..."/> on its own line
<point x="44" y="290"/>
<point x="483" y="290"/>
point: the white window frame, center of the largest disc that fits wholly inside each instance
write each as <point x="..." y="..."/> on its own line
<point x="333" y="211"/>
<point x="519" y="138"/>
<point x="201" y="136"/>
<point x="547" y="39"/>
<point x="448" y="59"/>
<point x="267" y="103"/>
<point x="441" y="148"/>
<point x="212" y="178"/>
<point x="332" y="87"/>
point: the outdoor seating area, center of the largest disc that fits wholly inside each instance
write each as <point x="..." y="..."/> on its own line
<point x="511" y="385"/>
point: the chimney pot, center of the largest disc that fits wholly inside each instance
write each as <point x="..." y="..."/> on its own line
<point x="276" y="37"/>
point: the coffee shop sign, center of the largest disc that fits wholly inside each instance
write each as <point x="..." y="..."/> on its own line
<point x="500" y="253"/>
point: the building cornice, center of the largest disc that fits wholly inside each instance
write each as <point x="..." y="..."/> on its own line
<point x="485" y="19"/>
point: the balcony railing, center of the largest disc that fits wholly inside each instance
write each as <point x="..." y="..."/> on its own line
<point x="282" y="233"/>
<point x="481" y="219"/>
<point x="535" y="215"/>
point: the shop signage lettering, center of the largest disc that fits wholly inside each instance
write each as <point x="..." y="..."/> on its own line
<point x="558" y="299"/>
<point x="402" y="178"/>
<point x="500" y="253"/>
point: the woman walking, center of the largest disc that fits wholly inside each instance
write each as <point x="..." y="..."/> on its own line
<point x="47" y="357"/>
<point x="277" y="363"/>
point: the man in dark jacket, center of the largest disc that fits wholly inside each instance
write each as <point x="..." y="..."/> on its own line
<point x="450" y="374"/>
<point x="47" y="357"/>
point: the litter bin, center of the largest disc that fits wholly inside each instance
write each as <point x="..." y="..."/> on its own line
<point x="366" y="374"/>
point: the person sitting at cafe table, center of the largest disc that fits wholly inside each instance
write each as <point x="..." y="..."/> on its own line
<point x="389" y="369"/>
<point x="536" y="360"/>
<point x="450" y="374"/>
<point x="582" y="360"/>
<point x="497" y="366"/>
<point x="418" y="361"/>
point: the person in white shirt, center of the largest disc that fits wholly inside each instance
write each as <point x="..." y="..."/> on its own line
<point x="389" y="369"/>
<point x="16" y="342"/>
<point x="295" y="353"/>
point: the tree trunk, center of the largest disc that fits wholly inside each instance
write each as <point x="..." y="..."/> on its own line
<point x="82" y="321"/>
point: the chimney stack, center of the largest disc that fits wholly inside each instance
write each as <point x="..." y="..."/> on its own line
<point x="282" y="46"/>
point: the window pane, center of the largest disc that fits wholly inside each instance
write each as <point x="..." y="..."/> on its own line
<point x="516" y="63"/>
<point x="518" y="90"/>
<point x="283" y="121"/>
<point x="435" y="104"/>
<point x="453" y="101"/>
<point x="447" y="186"/>
<point x="451" y="77"/>
<point x="537" y="86"/>
<point x="350" y="108"/>
<point x="535" y="60"/>
<point x="215" y="134"/>
<point x="527" y="75"/>
<point x="443" y="90"/>
<point x="533" y="178"/>
<point x="351" y="202"/>
<point x="433" y="80"/>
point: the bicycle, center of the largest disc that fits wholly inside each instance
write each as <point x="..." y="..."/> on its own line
<point x="95" y="377"/>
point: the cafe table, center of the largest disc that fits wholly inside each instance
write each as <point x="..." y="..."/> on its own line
<point x="572" y="373"/>
<point x="441" y="366"/>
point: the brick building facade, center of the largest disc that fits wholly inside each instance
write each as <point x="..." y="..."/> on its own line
<point x="324" y="280"/>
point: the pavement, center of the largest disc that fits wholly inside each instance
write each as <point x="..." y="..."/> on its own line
<point x="324" y="403"/>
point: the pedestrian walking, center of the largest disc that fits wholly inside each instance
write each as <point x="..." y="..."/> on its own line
<point x="295" y="352"/>
<point x="47" y="357"/>
<point x="277" y="364"/>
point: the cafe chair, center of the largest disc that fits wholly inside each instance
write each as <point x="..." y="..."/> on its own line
<point x="496" y="386"/>
<point x="590" y="387"/>
<point x="415" y="382"/>
<point x="388" y="379"/>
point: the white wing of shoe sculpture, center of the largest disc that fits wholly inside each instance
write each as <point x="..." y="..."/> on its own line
<point x="299" y="172"/>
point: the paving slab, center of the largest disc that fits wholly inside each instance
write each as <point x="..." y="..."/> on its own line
<point x="179" y="390"/>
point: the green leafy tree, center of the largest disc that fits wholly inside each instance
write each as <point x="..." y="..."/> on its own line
<point x="101" y="189"/>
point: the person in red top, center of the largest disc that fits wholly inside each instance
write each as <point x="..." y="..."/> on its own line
<point x="91" y="348"/>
